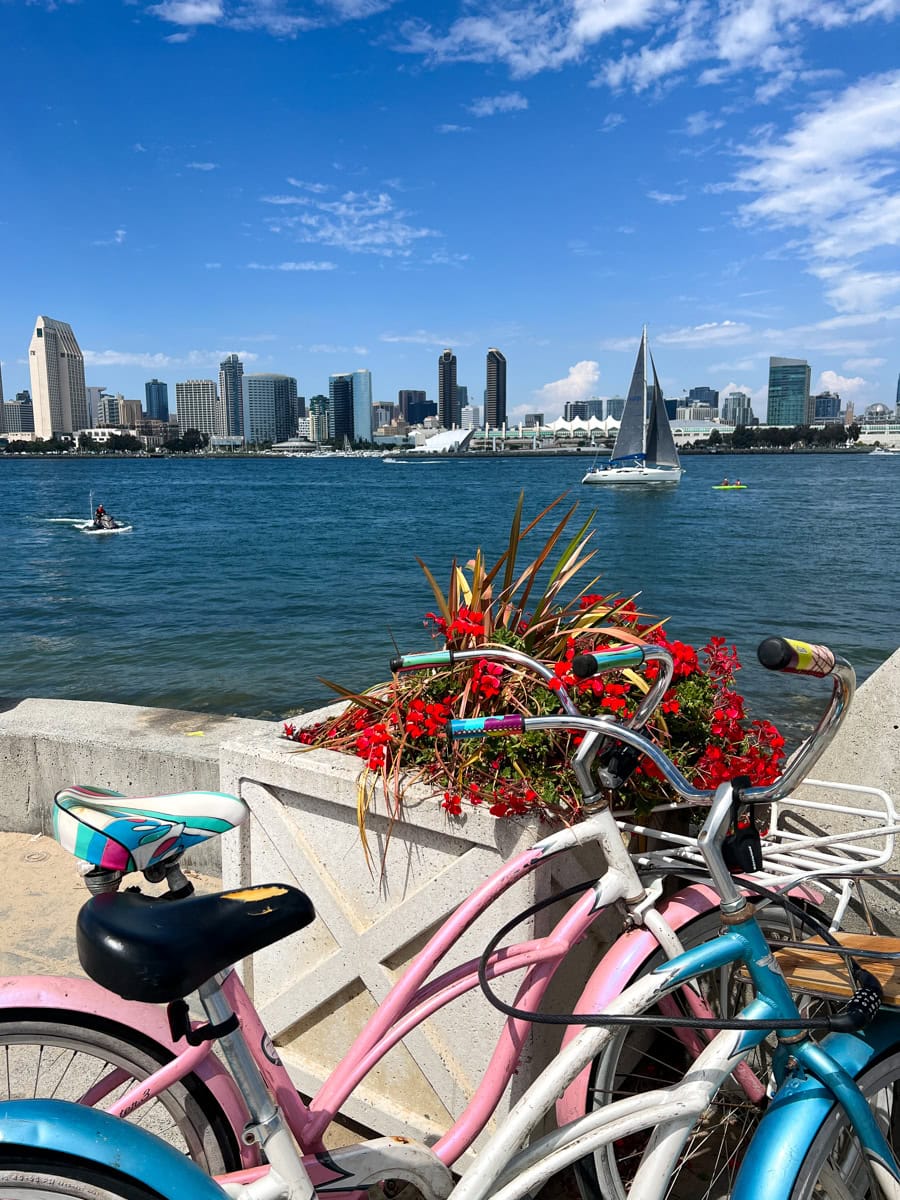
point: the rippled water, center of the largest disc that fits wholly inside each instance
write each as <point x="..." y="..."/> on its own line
<point x="245" y="579"/>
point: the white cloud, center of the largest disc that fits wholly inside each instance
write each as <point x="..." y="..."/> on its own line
<point x="358" y="222"/>
<point x="425" y="337"/>
<point x="864" y="364"/>
<point x="292" y="266"/>
<point x="202" y="166"/>
<point x="330" y="348"/>
<point x="847" y="388"/>
<point x="489" y="106"/>
<point x="580" y="384"/>
<point x="611" y="121"/>
<point x="667" y="197"/>
<point x="189" y="12"/>
<point x="453" y="128"/>
<point x="159" y="361"/>
<point x="317" y="188"/>
<point x="699" y="123"/>
<point x="713" y="333"/>
<point x="117" y="239"/>
<point x="138" y="148"/>
<point x="212" y="266"/>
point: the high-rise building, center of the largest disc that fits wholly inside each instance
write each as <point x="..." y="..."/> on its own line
<point x="382" y="414"/>
<point x="340" y="408"/>
<point x="897" y="404"/>
<point x="269" y="408"/>
<point x="1" y="383"/>
<point x="157" y="400"/>
<point x="319" y="418"/>
<point x="17" y="416"/>
<point x="462" y="396"/>
<point x="470" y="417"/>
<point x="418" y="410"/>
<point x="789" y="400"/>
<point x="362" y="406"/>
<point x="231" y="395"/>
<point x="736" y="409"/>
<point x="703" y="395"/>
<point x="130" y="413"/>
<point x="495" y="392"/>
<point x="534" y="420"/>
<point x="827" y="407"/>
<point x="406" y="397"/>
<point x="583" y="409"/>
<point x="197" y="406"/>
<point x="448" y="401"/>
<point x="57" y="379"/>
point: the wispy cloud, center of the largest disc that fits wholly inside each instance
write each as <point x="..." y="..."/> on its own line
<point x="276" y="17"/>
<point x="611" y="121"/>
<point x="453" y="128"/>
<point x="699" y="123"/>
<point x="424" y="337"/>
<point x="667" y="197"/>
<point x="193" y="360"/>
<point x="202" y="166"/>
<point x="292" y="266"/>
<point x="831" y="179"/>
<point x="358" y="222"/>
<point x="117" y="239"/>
<point x="317" y="189"/>
<point x="489" y="106"/>
<point x="712" y="333"/>
<point x="331" y="348"/>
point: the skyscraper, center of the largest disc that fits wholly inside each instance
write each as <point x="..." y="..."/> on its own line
<point x="736" y="409"/>
<point x="198" y="407"/>
<point x="495" y="393"/>
<point x="448" y="400"/>
<point x="57" y="379"/>
<point x="1" y="383"/>
<point x="789" y="400"/>
<point x="269" y="408"/>
<point x="231" y="394"/>
<point x="340" y="408"/>
<point x="362" y="406"/>
<point x="703" y="395"/>
<point x="406" y="397"/>
<point x="157" y="400"/>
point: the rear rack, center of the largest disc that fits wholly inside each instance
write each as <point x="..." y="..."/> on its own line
<point x="794" y="849"/>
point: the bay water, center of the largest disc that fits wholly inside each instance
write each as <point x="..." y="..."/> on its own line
<point x="246" y="579"/>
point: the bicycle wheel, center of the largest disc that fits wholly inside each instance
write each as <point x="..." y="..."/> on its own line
<point x="44" y="1174"/>
<point x="835" y="1167"/>
<point x="643" y="1059"/>
<point x="64" y="1059"/>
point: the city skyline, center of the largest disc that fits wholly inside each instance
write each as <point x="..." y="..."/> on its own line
<point x="727" y="174"/>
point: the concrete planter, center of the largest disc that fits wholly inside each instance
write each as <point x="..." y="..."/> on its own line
<point x="315" y="991"/>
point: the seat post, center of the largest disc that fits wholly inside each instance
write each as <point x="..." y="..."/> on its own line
<point x="267" y="1127"/>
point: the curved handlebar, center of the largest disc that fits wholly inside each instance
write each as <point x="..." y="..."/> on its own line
<point x="799" y="658"/>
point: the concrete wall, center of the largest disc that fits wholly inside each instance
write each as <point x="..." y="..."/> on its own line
<point x="47" y="744"/>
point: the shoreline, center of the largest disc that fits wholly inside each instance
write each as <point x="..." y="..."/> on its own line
<point x="424" y="455"/>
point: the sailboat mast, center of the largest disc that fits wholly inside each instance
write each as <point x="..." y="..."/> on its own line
<point x="644" y="422"/>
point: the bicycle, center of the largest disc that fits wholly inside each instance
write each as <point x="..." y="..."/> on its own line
<point x="502" y="1169"/>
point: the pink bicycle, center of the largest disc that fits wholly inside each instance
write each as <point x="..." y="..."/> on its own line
<point x="107" y="1041"/>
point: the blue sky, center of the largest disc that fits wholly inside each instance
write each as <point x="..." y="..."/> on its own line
<point x="324" y="185"/>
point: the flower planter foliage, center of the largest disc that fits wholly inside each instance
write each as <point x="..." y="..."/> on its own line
<point x="398" y="728"/>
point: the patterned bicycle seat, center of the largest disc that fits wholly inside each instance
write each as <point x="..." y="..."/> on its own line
<point x="123" y="833"/>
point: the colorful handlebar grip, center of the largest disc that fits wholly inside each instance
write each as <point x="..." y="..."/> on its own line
<point x="419" y="662"/>
<point x="586" y="665"/>
<point x="473" y="727"/>
<point x="798" y="658"/>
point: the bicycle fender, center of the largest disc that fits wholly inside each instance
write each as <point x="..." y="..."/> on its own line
<point x="95" y="1137"/>
<point x="776" y="1153"/>
<point x="34" y="995"/>
<point x="624" y="958"/>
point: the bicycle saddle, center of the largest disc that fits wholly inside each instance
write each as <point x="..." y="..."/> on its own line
<point x="123" y="833"/>
<point x="143" y="948"/>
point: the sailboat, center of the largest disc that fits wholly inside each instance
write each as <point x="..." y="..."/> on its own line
<point x="645" y="448"/>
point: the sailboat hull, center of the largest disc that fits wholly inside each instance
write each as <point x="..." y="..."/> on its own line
<point x="642" y="475"/>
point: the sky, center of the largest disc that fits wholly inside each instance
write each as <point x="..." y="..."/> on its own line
<point x="328" y="185"/>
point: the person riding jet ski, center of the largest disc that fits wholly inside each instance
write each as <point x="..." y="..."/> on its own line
<point x="102" y="519"/>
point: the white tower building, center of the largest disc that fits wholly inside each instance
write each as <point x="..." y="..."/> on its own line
<point x="57" y="379"/>
<point x="198" y="407"/>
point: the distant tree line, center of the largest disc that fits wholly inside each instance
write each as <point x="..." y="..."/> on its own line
<point x="117" y="443"/>
<point x="754" y="437"/>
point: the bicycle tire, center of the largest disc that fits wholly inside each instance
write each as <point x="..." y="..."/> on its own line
<point x="820" y="1171"/>
<point x="638" y="1059"/>
<point x="59" y="1056"/>
<point x="44" y="1174"/>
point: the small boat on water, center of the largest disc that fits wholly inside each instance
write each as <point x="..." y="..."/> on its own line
<point x="891" y="450"/>
<point x="645" y="451"/>
<point x="91" y="528"/>
<point x="729" y="487"/>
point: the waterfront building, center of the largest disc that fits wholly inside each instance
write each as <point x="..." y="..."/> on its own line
<point x="826" y="408"/>
<point x="737" y="410"/>
<point x="470" y="417"/>
<point x="419" y="411"/>
<point x="703" y="396"/>
<point x="269" y="408"/>
<point x="362" y="406"/>
<point x="382" y="414"/>
<point x="340" y="408"/>
<point x="615" y="407"/>
<point x="695" y="412"/>
<point x="130" y="412"/>
<point x="534" y="420"/>
<point x="57" y="379"/>
<point x="877" y="414"/>
<point x="495" y="392"/>
<point x="406" y="397"/>
<point x="17" y="416"/>
<point x="1" y="383"/>
<point x="231" y="395"/>
<point x="103" y="407"/>
<point x="897" y="400"/>
<point x="153" y="432"/>
<point x="197" y="407"/>
<point x="156" y="397"/>
<point x="448" y="401"/>
<point x="319" y="418"/>
<point x="583" y="410"/>
<point x="789" y="399"/>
